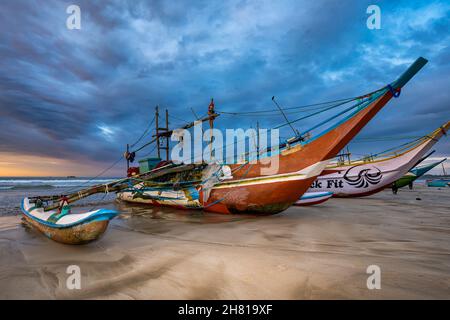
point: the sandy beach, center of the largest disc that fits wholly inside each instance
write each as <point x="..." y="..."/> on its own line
<point x="319" y="252"/>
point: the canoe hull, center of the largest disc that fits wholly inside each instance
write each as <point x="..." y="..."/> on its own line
<point x="254" y="197"/>
<point x="407" y="179"/>
<point x="268" y="198"/>
<point x="313" y="198"/>
<point x="80" y="234"/>
<point x="67" y="227"/>
<point x="363" y="180"/>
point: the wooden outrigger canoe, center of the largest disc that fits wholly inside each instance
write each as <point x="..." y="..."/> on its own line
<point x="241" y="188"/>
<point x="313" y="198"/>
<point x="368" y="176"/>
<point x="70" y="228"/>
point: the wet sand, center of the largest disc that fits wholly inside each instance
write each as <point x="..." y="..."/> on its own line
<point x="319" y="252"/>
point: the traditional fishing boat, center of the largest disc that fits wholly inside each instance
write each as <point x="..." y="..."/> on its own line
<point x="438" y="183"/>
<point x="413" y="174"/>
<point x="62" y="225"/>
<point x="239" y="188"/>
<point x="250" y="186"/>
<point x="313" y="198"/>
<point x="441" y="182"/>
<point x="367" y="176"/>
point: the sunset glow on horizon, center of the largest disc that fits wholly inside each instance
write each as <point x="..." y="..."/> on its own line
<point x="16" y="165"/>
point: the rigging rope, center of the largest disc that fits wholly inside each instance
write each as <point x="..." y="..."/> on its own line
<point x="387" y="138"/>
<point x="338" y="102"/>
<point x="398" y="148"/>
<point x="144" y="133"/>
<point x="362" y="102"/>
<point x="403" y="146"/>
<point x="289" y="108"/>
<point x="149" y="153"/>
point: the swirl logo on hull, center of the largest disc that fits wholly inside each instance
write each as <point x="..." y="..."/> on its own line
<point x="364" y="178"/>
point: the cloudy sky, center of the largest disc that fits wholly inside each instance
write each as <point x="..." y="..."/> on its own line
<point x="71" y="99"/>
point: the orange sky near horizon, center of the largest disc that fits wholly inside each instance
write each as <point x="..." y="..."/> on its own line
<point x="18" y="165"/>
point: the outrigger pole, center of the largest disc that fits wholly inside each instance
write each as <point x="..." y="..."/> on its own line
<point x="116" y="185"/>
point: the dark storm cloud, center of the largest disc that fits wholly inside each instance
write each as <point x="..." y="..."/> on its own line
<point x="83" y="94"/>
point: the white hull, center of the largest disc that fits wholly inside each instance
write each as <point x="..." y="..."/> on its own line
<point x="365" y="178"/>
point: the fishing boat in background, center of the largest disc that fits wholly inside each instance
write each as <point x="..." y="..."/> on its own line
<point x="371" y="175"/>
<point x="313" y="198"/>
<point x="413" y="174"/>
<point x="63" y="226"/>
<point x="438" y="183"/>
<point x="250" y="187"/>
<point x="441" y="182"/>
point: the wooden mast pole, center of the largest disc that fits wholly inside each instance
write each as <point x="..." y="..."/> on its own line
<point x="167" y="138"/>
<point x="157" y="130"/>
<point x="348" y="155"/>
<point x="211" y="114"/>
<point x="128" y="161"/>
<point x="257" y="140"/>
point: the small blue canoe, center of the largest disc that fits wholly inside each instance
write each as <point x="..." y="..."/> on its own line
<point x="66" y="227"/>
<point x="438" y="183"/>
<point x="312" y="198"/>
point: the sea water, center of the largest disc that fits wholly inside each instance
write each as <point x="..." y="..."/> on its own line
<point x="14" y="189"/>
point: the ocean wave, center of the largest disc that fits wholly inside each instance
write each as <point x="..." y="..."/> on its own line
<point x="9" y="184"/>
<point x="33" y="186"/>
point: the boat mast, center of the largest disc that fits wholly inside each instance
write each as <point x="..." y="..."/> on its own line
<point x="167" y="138"/>
<point x="157" y="130"/>
<point x="348" y="155"/>
<point x="128" y="160"/>
<point x="162" y="132"/>
<point x="211" y="112"/>
<point x="257" y="140"/>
